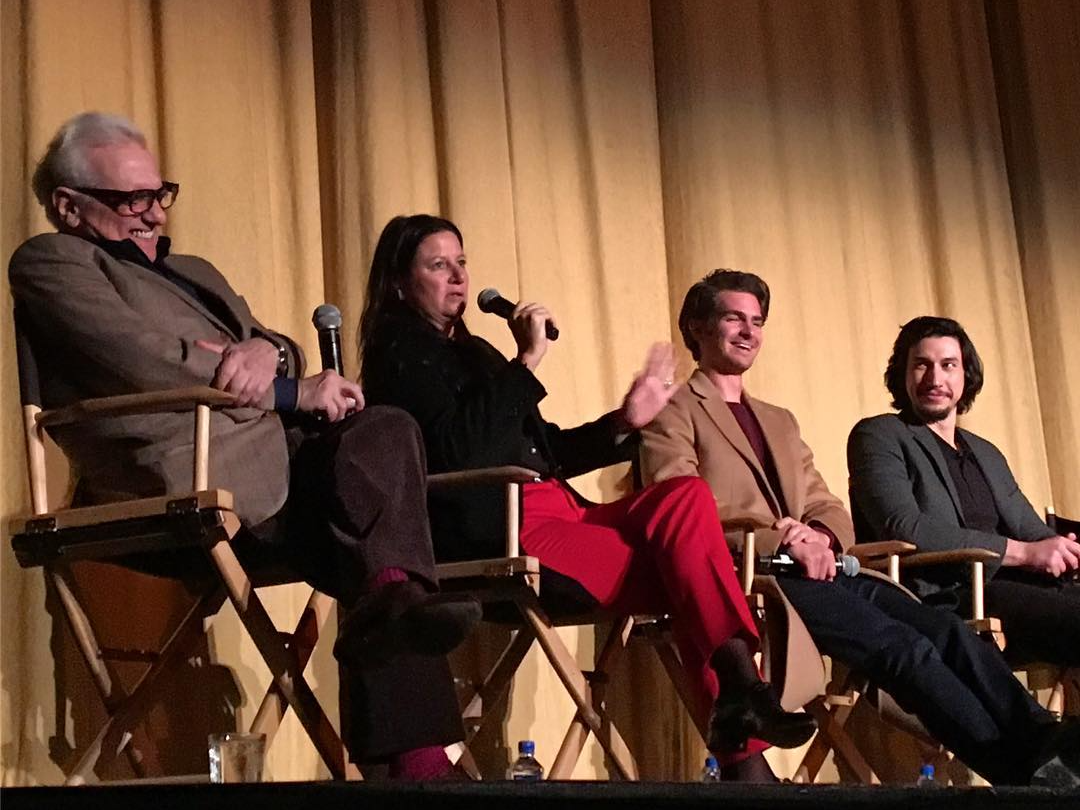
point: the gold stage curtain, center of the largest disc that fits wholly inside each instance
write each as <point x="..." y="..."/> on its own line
<point x="871" y="160"/>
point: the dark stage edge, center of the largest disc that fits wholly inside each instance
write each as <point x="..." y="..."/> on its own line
<point x="490" y="795"/>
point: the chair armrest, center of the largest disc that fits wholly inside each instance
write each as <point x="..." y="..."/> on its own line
<point x="867" y="553"/>
<point x="511" y="476"/>
<point x="175" y="399"/>
<point x="952" y="557"/>
<point x="508" y="474"/>
<point x="199" y="399"/>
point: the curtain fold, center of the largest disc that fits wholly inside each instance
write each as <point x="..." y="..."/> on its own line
<point x="872" y="160"/>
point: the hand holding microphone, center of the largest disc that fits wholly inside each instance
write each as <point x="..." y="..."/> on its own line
<point x="328" y="393"/>
<point x="783" y="563"/>
<point x="812" y="560"/>
<point x="531" y="324"/>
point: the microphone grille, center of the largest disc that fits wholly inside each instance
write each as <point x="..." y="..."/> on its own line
<point x="849" y="566"/>
<point x="486" y="298"/>
<point x="326" y="316"/>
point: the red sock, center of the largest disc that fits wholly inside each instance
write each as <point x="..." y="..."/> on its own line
<point x="388" y="575"/>
<point x="420" y="764"/>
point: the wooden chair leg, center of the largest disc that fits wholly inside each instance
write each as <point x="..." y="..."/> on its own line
<point x="578" y="733"/>
<point x="668" y="654"/>
<point x="577" y="687"/>
<point x="105" y="679"/>
<point x="477" y="710"/>
<point x="281" y="663"/>
<point x="111" y="738"/>
<point x="831" y="728"/>
<point x="301" y="643"/>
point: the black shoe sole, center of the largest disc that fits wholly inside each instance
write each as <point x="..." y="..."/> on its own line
<point x="431" y="629"/>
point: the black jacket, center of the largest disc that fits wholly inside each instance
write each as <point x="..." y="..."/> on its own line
<point x="476" y="409"/>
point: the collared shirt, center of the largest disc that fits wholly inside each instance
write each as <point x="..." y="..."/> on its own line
<point x="286" y="390"/>
<point x="976" y="500"/>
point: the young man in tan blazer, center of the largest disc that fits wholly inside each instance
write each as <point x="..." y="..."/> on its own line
<point x="105" y="309"/>
<point x="761" y="470"/>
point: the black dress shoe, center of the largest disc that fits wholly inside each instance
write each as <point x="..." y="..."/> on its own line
<point x="756" y="712"/>
<point x="1058" y="764"/>
<point x="404" y="618"/>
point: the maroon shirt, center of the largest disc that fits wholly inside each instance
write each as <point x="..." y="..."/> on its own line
<point x="754" y="434"/>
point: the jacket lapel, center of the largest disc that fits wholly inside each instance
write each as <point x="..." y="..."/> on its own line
<point x="925" y="437"/>
<point x="197" y="281"/>
<point x="718" y="411"/>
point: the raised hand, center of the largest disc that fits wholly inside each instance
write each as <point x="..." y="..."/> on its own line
<point x="651" y="389"/>
<point x="247" y="369"/>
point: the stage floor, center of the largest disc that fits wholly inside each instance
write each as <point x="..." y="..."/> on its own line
<point x="491" y="795"/>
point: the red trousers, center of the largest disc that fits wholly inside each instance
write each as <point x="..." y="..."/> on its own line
<point x="660" y="550"/>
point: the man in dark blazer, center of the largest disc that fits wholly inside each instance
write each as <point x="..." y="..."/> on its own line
<point x="106" y="309"/>
<point x="917" y="476"/>
<point x="760" y="470"/>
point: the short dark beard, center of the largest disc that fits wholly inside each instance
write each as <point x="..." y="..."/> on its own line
<point x="928" y="417"/>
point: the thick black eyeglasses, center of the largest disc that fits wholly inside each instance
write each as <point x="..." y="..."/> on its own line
<point x="133" y="203"/>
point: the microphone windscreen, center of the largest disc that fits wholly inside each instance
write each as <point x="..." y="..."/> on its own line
<point x="326" y="316"/>
<point x="849" y="566"/>
<point x="487" y="298"/>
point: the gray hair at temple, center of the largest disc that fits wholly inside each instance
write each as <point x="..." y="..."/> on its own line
<point x="64" y="162"/>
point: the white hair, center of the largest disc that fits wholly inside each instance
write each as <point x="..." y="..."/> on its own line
<point x="64" y="162"/>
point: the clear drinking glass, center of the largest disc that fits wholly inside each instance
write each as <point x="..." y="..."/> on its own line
<point x="236" y="757"/>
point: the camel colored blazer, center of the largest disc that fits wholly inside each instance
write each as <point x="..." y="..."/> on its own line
<point x="696" y="434"/>
<point x="99" y="326"/>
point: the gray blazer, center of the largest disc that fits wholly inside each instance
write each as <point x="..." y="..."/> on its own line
<point x="100" y="326"/>
<point x="901" y="489"/>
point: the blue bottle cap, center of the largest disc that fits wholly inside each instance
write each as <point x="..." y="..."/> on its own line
<point x="526" y="748"/>
<point x="710" y="762"/>
<point x="927" y="770"/>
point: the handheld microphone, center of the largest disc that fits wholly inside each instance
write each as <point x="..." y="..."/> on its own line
<point x="327" y="320"/>
<point x="782" y="563"/>
<point x="493" y="303"/>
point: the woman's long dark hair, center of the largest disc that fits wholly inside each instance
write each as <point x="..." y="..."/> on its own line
<point x="390" y="267"/>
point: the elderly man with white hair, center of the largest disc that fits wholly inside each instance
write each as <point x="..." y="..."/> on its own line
<point x="107" y="309"/>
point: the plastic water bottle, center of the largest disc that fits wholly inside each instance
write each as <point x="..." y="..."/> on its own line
<point x="926" y="777"/>
<point x="711" y="771"/>
<point x="525" y="767"/>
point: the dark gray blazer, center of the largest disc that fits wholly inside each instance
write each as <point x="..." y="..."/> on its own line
<point x="901" y="489"/>
<point x="102" y="326"/>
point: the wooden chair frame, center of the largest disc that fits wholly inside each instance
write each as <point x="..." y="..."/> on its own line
<point x="202" y="517"/>
<point x="837" y="698"/>
<point x="515" y="579"/>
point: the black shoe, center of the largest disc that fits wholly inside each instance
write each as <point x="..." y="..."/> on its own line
<point x="404" y="618"/>
<point x="756" y="713"/>
<point x="1058" y="765"/>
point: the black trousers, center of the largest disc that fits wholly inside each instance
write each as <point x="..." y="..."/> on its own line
<point x="931" y="663"/>
<point x="1040" y="616"/>
<point x="356" y="506"/>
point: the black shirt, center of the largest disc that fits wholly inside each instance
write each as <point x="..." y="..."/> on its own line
<point x="976" y="500"/>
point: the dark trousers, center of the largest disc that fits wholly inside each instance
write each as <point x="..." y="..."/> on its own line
<point x="1040" y="616"/>
<point x="356" y="506"/>
<point x="933" y="665"/>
